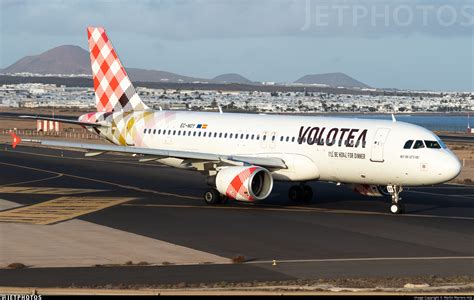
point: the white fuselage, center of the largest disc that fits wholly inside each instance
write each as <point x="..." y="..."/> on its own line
<point x="346" y="150"/>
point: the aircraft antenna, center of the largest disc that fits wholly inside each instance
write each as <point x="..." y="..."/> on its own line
<point x="220" y="109"/>
<point x="393" y="118"/>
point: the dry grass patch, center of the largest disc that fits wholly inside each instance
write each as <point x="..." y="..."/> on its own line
<point x="16" y="265"/>
<point x="238" y="259"/>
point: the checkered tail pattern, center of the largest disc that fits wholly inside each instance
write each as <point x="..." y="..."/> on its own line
<point x="113" y="89"/>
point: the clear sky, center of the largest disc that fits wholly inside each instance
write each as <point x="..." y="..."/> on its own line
<point x="408" y="44"/>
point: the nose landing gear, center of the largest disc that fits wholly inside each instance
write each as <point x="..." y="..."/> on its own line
<point x="396" y="207"/>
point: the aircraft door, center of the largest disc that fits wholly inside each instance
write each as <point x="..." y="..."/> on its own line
<point x="378" y="144"/>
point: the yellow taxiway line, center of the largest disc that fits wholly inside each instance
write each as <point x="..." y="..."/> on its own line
<point x="60" y="209"/>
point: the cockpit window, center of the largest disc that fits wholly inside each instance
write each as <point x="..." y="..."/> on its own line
<point x="432" y="144"/>
<point x="418" y="145"/>
<point x="408" y="144"/>
<point x="443" y="145"/>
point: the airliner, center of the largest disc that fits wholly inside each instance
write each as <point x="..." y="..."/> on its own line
<point x="243" y="154"/>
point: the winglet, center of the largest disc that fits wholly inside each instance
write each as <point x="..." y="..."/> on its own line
<point x="16" y="139"/>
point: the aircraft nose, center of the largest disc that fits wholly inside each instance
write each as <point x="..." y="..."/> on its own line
<point x="453" y="167"/>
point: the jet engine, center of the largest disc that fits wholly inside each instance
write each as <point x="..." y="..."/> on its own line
<point x="246" y="183"/>
<point x="370" y="190"/>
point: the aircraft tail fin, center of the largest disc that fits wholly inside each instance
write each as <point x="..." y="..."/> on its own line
<point x="113" y="89"/>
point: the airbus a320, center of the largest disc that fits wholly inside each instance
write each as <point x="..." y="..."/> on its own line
<point x="243" y="154"/>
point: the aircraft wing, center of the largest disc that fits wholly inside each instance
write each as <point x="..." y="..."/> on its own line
<point x="271" y="162"/>
<point x="69" y="121"/>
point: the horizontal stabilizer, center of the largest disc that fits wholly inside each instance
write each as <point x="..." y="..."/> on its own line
<point x="68" y="121"/>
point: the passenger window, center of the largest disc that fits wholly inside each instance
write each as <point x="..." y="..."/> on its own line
<point x="204" y="134"/>
<point x="215" y="134"/>
<point x="174" y="132"/>
<point x="264" y="137"/>
<point x="199" y="134"/>
<point x="273" y="138"/>
<point x="287" y="138"/>
<point x="194" y="133"/>
<point x="144" y="130"/>
<point x="247" y="137"/>
<point x="230" y="136"/>
<point x="179" y="132"/>
<point x="225" y="135"/>
<point x="418" y="145"/>
<point x="241" y="135"/>
<point x="258" y="137"/>
<point x="292" y="139"/>
<point x="252" y="136"/>
<point x="159" y="131"/>
<point x="432" y="145"/>
<point x="149" y="131"/>
<point x="281" y="138"/>
<point x="189" y="133"/>
<point x="408" y="144"/>
<point x="154" y="131"/>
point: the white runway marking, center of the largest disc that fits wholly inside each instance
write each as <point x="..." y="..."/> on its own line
<point x="32" y="181"/>
<point x="92" y="159"/>
<point x="359" y="259"/>
<point x="104" y="182"/>
<point x="268" y="207"/>
<point x="442" y="195"/>
<point x="450" y="186"/>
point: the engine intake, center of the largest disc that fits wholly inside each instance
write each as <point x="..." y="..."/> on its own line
<point x="246" y="183"/>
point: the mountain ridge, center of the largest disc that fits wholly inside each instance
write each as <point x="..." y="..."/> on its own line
<point x="332" y="79"/>
<point x="74" y="60"/>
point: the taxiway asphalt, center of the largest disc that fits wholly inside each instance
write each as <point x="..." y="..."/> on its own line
<point x="340" y="234"/>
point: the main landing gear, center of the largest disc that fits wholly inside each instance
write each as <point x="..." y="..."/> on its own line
<point x="396" y="207"/>
<point x="301" y="192"/>
<point x="212" y="197"/>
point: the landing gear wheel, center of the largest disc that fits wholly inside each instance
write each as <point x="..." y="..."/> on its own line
<point x="212" y="197"/>
<point x="307" y="193"/>
<point x="396" y="209"/>
<point x="295" y="193"/>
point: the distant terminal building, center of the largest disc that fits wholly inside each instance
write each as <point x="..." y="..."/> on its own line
<point x="47" y="126"/>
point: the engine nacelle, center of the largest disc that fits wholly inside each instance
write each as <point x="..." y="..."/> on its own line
<point x="370" y="190"/>
<point x="247" y="183"/>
